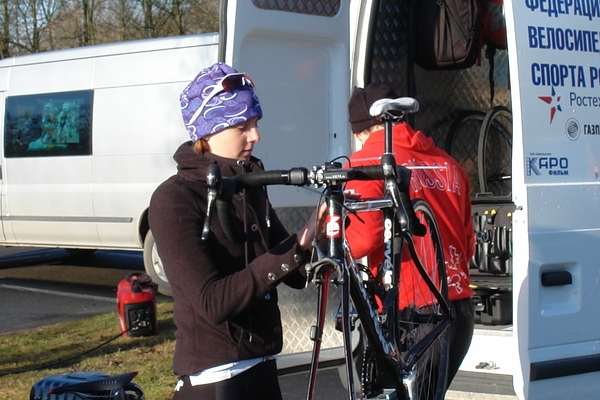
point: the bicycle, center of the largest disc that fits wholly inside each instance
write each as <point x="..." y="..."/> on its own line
<point x="406" y="353"/>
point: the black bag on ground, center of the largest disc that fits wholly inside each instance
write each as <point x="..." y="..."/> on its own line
<point x="446" y="33"/>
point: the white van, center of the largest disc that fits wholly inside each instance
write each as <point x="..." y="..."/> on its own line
<point x="87" y="135"/>
<point x="307" y="55"/>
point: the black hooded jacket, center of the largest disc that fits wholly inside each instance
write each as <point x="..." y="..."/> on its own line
<point x="224" y="310"/>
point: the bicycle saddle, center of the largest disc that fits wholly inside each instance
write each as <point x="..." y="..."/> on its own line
<point x="389" y="106"/>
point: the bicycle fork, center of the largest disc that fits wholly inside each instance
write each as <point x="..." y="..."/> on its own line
<point x="316" y="332"/>
<point x="334" y="229"/>
<point x="323" y="280"/>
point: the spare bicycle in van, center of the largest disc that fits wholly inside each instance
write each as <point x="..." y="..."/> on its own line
<point x="87" y="135"/>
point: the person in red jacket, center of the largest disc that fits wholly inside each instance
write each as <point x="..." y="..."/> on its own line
<point x="444" y="186"/>
<point x="229" y="328"/>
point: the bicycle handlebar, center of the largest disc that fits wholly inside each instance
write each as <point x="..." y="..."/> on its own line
<point x="221" y="190"/>
<point x="318" y="176"/>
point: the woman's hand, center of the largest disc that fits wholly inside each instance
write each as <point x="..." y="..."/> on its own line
<point x="315" y="224"/>
<point x="307" y="232"/>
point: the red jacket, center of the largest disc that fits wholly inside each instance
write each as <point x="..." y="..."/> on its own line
<point x="445" y="188"/>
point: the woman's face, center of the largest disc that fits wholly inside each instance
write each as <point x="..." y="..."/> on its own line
<point x="236" y="142"/>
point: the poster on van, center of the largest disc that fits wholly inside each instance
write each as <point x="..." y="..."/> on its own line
<point x="49" y="124"/>
<point x="559" y="69"/>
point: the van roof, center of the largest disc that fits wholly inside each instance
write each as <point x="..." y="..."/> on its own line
<point x="109" y="49"/>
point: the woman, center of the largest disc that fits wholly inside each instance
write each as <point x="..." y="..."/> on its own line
<point x="225" y="302"/>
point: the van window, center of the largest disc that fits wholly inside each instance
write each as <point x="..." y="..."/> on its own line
<point x="51" y="124"/>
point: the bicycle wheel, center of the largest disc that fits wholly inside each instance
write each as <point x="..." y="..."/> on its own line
<point x="495" y="151"/>
<point x="422" y="322"/>
<point x="461" y="143"/>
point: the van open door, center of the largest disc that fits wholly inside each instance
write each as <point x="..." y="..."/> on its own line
<point x="553" y="53"/>
<point x="298" y="57"/>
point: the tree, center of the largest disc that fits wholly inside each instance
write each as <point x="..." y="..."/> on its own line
<point x="5" y="29"/>
<point x="31" y="26"/>
<point x="50" y="10"/>
<point x="87" y="22"/>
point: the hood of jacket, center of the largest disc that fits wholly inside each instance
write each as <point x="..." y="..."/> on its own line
<point x="193" y="166"/>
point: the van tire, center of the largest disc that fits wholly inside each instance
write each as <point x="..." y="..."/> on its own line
<point x="154" y="266"/>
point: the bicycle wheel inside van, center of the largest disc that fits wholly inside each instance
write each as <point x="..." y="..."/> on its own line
<point x="494" y="152"/>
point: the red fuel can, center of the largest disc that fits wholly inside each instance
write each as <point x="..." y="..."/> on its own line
<point x="136" y="304"/>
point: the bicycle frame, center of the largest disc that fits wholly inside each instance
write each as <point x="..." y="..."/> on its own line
<point x="398" y="364"/>
<point x="339" y="259"/>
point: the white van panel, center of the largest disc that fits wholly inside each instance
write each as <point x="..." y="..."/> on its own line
<point x="300" y="65"/>
<point x="49" y="200"/>
<point x="555" y="189"/>
<point x="120" y="207"/>
<point x="131" y="156"/>
<point x="4" y="76"/>
<point x="566" y="388"/>
<point x="143" y="119"/>
<point x="564" y="306"/>
<point x="145" y="68"/>
<point x="51" y="77"/>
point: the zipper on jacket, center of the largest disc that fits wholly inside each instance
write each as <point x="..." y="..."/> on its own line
<point x="243" y="165"/>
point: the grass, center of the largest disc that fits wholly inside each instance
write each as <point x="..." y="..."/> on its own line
<point x="25" y="356"/>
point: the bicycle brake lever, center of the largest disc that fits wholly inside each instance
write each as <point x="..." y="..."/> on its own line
<point x="213" y="180"/>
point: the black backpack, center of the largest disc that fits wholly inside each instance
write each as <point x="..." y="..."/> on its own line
<point x="446" y="33"/>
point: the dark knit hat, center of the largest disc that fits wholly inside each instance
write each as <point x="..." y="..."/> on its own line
<point x="360" y="102"/>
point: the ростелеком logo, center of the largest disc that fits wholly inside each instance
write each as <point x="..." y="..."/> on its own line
<point x="553" y="101"/>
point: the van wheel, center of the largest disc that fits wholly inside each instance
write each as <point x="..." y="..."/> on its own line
<point x="154" y="267"/>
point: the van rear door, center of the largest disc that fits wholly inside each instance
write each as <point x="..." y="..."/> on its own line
<point x="298" y="57"/>
<point x="553" y="53"/>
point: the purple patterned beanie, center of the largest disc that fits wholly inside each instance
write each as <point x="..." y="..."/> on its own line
<point x="209" y="105"/>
